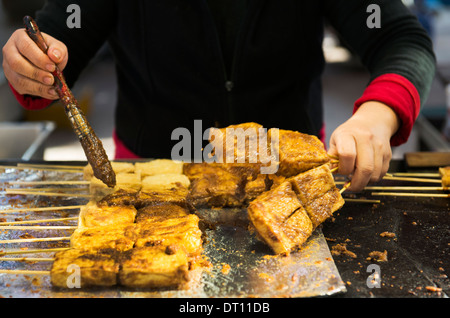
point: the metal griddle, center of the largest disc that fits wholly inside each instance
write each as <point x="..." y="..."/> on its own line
<point x="242" y="266"/>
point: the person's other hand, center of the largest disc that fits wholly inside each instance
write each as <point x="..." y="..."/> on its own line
<point x="362" y="144"/>
<point x="28" y="69"/>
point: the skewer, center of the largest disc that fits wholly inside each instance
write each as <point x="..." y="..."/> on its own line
<point x="59" y="190"/>
<point x="23" y="272"/>
<point x="417" y="174"/>
<point x="412" y="179"/>
<point x="406" y="188"/>
<point x="26" y="259"/>
<point x="39" y="193"/>
<point x="333" y="157"/>
<point x="43" y="209"/>
<point x="362" y="200"/>
<point x="37" y="227"/>
<point x="39" y="221"/>
<point x="32" y="240"/>
<point x="59" y="167"/>
<point x="44" y="168"/>
<point x="42" y="250"/>
<point x="345" y="187"/>
<point x="49" y="182"/>
<point x="405" y="194"/>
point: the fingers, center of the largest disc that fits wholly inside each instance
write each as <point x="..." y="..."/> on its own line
<point x="57" y="51"/>
<point x="28" y="69"/>
<point x="362" y="156"/>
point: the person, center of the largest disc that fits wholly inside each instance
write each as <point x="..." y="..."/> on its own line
<point x="233" y="61"/>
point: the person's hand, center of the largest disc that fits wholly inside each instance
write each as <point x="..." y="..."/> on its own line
<point x="362" y="144"/>
<point x="28" y="69"/>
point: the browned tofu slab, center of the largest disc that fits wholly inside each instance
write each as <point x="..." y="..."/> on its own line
<point x="219" y="188"/>
<point x="181" y="231"/>
<point x="121" y="197"/>
<point x="297" y="152"/>
<point x="160" y="212"/>
<point x="72" y="267"/>
<point x="176" y="196"/>
<point x="318" y="193"/>
<point x="92" y="215"/>
<point x="120" y="238"/>
<point x="263" y="182"/>
<point x="280" y="219"/>
<point x="237" y="143"/>
<point x="154" y="267"/>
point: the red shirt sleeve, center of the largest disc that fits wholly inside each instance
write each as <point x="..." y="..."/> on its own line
<point x="31" y="102"/>
<point x="398" y="93"/>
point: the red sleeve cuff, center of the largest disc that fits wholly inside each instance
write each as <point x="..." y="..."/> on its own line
<point x="31" y="102"/>
<point x="398" y="93"/>
<point x="122" y="151"/>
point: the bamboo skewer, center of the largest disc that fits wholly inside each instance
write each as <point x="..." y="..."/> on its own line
<point x="39" y="193"/>
<point x="417" y="174"/>
<point x="33" y="240"/>
<point x="406" y="194"/>
<point x="361" y="200"/>
<point x="345" y="187"/>
<point x="42" y="209"/>
<point x="44" y="168"/>
<point x="37" y="227"/>
<point x="406" y="188"/>
<point x="39" y="221"/>
<point x="23" y="272"/>
<point x="59" y="167"/>
<point x="26" y="259"/>
<point x="42" y="250"/>
<point x="58" y="190"/>
<point x="50" y="182"/>
<point x="412" y="179"/>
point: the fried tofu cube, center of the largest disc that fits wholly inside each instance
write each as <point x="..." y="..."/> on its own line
<point x="163" y="267"/>
<point x="280" y="219"/>
<point x="218" y="189"/>
<point x="157" y="212"/>
<point x="180" y="231"/>
<point x="445" y="176"/>
<point x="117" y="166"/>
<point x="297" y="152"/>
<point x="121" y="197"/>
<point x="165" y="181"/>
<point x="159" y="166"/>
<point x="318" y="193"/>
<point x="238" y="143"/>
<point x="197" y="170"/>
<point x="95" y="268"/>
<point x="262" y="183"/>
<point x="92" y="215"/>
<point x="125" y="181"/>
<point x="176" y="196"/>
<point x="120" y="238"/>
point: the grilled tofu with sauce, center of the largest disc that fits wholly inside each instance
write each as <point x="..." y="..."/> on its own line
<point x="280" y="219"/>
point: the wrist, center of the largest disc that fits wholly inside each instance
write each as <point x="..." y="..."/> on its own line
<point x="378" y="116"/>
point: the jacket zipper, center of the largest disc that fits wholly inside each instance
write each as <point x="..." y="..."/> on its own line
<point x="229" y="79"/>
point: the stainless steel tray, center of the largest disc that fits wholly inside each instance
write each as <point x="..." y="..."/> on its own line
<point x="242" y="266"/>
<point x="24" y="140"/>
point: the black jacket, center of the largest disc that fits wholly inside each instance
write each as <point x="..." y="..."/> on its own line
<point x="171" y="69"/>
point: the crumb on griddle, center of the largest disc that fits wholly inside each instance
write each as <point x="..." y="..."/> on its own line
<point x="341" y="249"/>
<point x="387" y="234"/>
<point x="378" y="256"/>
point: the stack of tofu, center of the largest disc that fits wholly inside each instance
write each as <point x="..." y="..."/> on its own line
<point x="284" y="207"/>
<point x="146" y="175"/>
<point x="140" y="237"/>
<point x="144" y="233"/>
